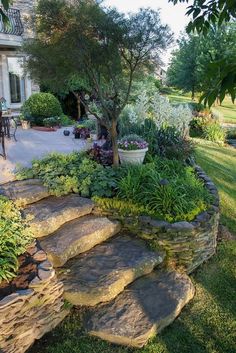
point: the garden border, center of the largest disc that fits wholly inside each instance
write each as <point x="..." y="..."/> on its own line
<point x="187" y="244"/>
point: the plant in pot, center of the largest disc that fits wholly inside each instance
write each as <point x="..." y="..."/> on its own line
<point x="52" y="122"/>
<point x="25" y="122"/>
<point x="132" y="149"/>
<point x="81" y="131"/>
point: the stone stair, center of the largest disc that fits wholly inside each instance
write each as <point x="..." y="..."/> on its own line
<point x="51" y="213"/>
<point x="102" y="273"/>
<point x="128" y="299"/>
<point x="76" y="237"/>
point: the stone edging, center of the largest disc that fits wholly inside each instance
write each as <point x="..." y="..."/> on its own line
<point x="187" y="244"/>
<point x="26" y="315"/>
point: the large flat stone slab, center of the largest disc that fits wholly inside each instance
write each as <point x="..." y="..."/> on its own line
<point x="102" y="273"/>
<point x="25" y="191"/>
<point x="78" y="236"/>
<point x="51" y="213"/>
<point x="142" y="310"/>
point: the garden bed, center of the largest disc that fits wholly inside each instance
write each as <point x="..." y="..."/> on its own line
<point x="187" y="244"/>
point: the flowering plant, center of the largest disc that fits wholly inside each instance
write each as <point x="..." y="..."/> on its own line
<point x="132" y="142"/>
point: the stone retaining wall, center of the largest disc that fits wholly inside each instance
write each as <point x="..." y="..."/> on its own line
<point x="27" y="315"/>
<point x="187" y="244"/>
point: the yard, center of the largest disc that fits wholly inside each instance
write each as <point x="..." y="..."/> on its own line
<point x="227" y="109"/>
<point x="207" y="325"/>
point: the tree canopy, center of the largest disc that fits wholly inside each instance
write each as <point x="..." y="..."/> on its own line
<point x="208" y="14"/>
<point x="99" y="46"/>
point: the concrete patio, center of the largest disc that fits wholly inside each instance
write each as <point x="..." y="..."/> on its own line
<point x="35" y="144"/>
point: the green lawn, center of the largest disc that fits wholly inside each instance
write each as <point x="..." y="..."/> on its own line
<point x="208" y="323"/>
<point x="227" y="109"/>
<point x="220" y="164"/>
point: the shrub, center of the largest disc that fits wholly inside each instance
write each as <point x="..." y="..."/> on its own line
<point x="51" y="122"/>
<point x="14" y="238"/>
<point x="40" y="106"/>
<point x="215" y="133"/>
<point x="231" y="133"/>
<point x="197" y="107"/>
<point x="169" y="143"/>
<point x="101" y="156"/>
<point x="66" y="120"/>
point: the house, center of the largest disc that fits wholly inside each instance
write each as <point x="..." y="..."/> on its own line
<point x="15" y="86"/>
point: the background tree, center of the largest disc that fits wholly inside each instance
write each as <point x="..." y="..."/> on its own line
<point x="97" y="44"/>
<point x="5" y="6"/>
<point x="207" y="13"/>
<point x="193" y="62"/>
<point x="183" y="71"/>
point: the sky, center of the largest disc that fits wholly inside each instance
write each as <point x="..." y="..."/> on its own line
<point x="172" y="15"/>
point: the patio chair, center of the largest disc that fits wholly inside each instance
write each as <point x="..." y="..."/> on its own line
<point x="2" y="137"/>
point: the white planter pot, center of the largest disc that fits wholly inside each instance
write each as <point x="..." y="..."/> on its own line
<point x="25" y="124"/>
<point x="133" y="157"/>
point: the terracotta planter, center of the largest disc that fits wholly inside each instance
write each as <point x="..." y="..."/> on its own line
<point x="25" y="124"/>
<point x="44" y="128"/>
<point x="133" y="156"/>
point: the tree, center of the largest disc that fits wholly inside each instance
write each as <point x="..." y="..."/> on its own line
<point x="183" y="71"/>
<point x="208" y="12"/>
<point x="5" y="4"/>
<point x="205" y="14"/>
<point x="100" y="45"/>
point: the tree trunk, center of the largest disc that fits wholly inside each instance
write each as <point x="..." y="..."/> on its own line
<point x="114" y="135"/>
<point x="78" y="100"/>
<point x="78" y="106"/>
<point x="193" y="93"/>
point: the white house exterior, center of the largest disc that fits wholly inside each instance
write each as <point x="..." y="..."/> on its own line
<point x="15" y="86"/>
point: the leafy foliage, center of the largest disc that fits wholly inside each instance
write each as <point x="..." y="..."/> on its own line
<point x="163" y="189"/>
<point x="14" y="238"/>
<point x="74" y="172"/>
<point x="40" y="106"/>
<point x="169" y="143"/>
<point x="215" y="133"/>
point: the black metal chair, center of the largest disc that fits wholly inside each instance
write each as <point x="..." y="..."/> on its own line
<point x="2" y="137"/>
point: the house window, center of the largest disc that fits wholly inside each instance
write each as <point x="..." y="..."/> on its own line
<point x="16" y="79"/>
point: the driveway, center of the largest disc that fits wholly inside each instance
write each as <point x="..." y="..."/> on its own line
<point x="35" y="144"/>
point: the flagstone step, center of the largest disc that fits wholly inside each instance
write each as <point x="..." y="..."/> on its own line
<point x="100" y="274"/>
<point x="51" y="213"/>
<point x="143" y="309"/>
<point x="25" y="191"/>
<point x="76" y="237"/>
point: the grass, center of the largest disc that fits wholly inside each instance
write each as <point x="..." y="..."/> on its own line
<point x="208" y="323"/>
<point x="227" y="109"/>
<point x="220" y="164"/>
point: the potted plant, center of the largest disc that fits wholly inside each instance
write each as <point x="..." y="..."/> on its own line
<point x="81" y="131"/>
<point x="25" y="123"/>
<point x="132" y="149"/>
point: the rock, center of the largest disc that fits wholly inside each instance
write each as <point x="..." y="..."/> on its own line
<point x="25" y="191"/>
<point x="78" y="236"/>
<point x="142" y="310"/>
<point x="102" y="273"/>
<point x="40" y="256"/>
<point x="181" y="227"/>
<point x="52" y="212"/>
